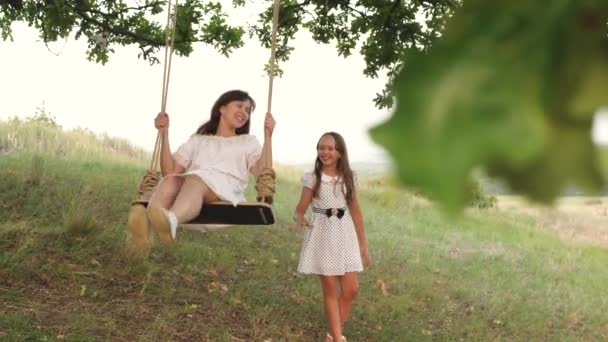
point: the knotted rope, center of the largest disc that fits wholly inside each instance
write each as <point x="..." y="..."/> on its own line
<point x="266" y="185"/>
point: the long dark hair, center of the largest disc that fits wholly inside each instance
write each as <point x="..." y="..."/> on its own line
<point x="344" y="170"/>
<point x="210" y="127"/>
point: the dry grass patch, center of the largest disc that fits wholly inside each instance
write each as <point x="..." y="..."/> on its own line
<point x="576" y="219"/>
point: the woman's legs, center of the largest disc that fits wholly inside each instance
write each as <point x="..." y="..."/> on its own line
<point x="332" y="308"/>
<point x="138" y="223"/>
<point x="166" y="192"/>
<point x="185" y="205"/>
<point x="190" y="199"/>
<point x="139" y="240"/>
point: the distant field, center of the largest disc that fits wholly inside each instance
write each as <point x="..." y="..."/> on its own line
<point x="577" y="218"/>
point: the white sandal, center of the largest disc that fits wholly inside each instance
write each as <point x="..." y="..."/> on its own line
<point x="331" y="338"/>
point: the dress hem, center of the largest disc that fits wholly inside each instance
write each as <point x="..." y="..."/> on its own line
<point x="329" y="273"/>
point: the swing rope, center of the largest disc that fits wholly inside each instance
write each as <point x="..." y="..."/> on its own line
<point x="153" y="174"/>
<point x="169" y="45"/>
<point x="265" y="182"/>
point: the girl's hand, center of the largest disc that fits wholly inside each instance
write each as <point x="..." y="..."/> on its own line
<point x="367" y="260"/>
<point x="162" y="121"/>
<point x="269" y="124"/>
<point x="301" y="221"/>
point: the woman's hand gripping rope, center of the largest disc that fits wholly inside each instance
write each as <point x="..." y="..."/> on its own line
<point x="161" y="122"/>
<point x="269" y="124"/>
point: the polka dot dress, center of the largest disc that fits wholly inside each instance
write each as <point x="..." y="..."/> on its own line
<point x="330" y="246"/>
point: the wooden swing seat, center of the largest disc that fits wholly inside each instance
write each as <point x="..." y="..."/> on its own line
<point x="223" y="212"/>
<point x="246" y="213"/>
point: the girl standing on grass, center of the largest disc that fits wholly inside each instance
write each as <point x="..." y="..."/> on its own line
<point x="334" y="244"/>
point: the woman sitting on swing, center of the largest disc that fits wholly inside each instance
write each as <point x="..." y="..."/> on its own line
<point x="212" y="165"/>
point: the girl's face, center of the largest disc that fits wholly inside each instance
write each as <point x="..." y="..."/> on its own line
<point x="236" y="113"/>
<point x="326" y="151"/>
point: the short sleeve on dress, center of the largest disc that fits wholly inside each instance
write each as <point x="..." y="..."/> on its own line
<point x="308" y="180"/>
<point x="185" y="153"/>
<point x="254" y="151"/>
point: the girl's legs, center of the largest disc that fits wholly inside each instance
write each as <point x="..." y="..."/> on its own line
<point x="332" y="307"/>
<point x="185" y="207"/>
<point x="350" y="289"/>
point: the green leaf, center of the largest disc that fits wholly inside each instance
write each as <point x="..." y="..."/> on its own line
<point x="578" y="67"/>
<point x="499" y="90"/>
<point x="569" y="158"/>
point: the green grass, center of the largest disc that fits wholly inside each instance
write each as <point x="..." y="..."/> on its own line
<point x="64" y="273"/>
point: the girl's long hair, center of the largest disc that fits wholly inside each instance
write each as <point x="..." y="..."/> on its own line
<point x="210" y="127"/>
<point x="344" y="170"/>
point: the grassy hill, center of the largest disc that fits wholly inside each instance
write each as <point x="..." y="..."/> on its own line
<point x="496" y="274"/>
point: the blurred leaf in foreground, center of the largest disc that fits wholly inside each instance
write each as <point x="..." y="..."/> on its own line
<point x="510" y="87"/>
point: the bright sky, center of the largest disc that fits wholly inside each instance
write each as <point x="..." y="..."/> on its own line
<point x="318" y="92"/>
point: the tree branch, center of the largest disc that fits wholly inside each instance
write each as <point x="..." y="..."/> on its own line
<point x="142" y="7"/>
<point x="84" y="14"/>
<point x="389" y="17"/>
<point x="116" y="30"/>
<point x="365" y="16"/>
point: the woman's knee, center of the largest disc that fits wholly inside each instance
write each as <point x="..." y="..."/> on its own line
<point x="166" y="191"/>
<point x="171" y="183"/>
<point x="195" y="182"/>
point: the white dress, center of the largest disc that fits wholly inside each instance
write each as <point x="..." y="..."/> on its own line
<point x="223" y="163"/>
<point x="330" y="246"/>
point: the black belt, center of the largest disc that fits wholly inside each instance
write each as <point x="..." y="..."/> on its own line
<point x="339" y="212"/>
